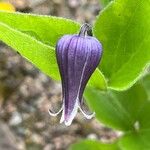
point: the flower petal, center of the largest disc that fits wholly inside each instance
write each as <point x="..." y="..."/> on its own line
<point x="55" y="113"/>
<point x="77" y="58"/>
<point x="87" y="116"/>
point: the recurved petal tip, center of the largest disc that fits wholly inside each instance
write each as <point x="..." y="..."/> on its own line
<point x="87" y="116"/>
<point x="51" y="113"/>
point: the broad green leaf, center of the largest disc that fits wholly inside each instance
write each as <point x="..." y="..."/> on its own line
<point x="135" y="141"/>
<point x="146" y="82"/>
<point x="97" y="80"/>
<point x="124" y="31"/>
<point x="41" y="55"/>
<point x="117" y="109"/>
<point x="32" y="35"/>
<point x="139" y="139"/>
<point x="128" y="111"/>
<point x="48" y="29"/>
<point x="93" y="145"/>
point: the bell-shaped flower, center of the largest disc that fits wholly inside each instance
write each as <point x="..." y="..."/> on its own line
<point x="77" y="58"/>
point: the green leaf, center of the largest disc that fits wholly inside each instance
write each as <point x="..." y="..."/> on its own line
<point x="135" y="141"/>
<point x="46" y="28"/>
<point x="98" y="81"/>
<point x="124" y="30"/>
<point x="146" y="82"/>
<point x="139" y="139"/>
<point x="32" y="35"/>
<point x="93" y="145"/>
<point x="41" y="55"/>
<point x="117" y="109"/>
<point x="128" y="111"/>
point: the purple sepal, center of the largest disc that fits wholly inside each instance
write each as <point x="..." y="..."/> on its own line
<point x="77" y="58"/>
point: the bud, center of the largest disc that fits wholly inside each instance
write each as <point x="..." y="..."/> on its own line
<point x="77" y="58"/>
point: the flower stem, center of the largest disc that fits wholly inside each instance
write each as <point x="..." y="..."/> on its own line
<point x="86" y="29"/>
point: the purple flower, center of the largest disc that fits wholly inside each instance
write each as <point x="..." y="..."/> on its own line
<point x="77" y="58"/>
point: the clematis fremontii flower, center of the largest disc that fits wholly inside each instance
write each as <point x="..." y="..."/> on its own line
<point x="77" y="58"/>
